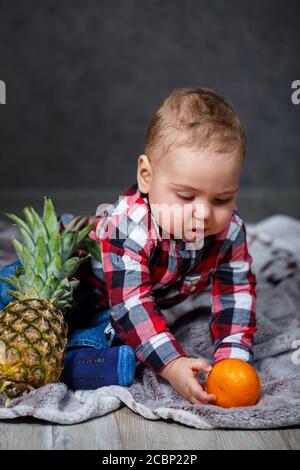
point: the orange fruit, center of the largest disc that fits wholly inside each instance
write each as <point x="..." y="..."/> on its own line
<point x="234" y="383"/>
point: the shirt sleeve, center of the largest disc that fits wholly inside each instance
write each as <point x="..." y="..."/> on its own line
<point x="233" y="301"/>
<point x="134" y="316"/>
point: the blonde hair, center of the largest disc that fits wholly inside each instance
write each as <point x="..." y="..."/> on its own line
<point x="200" y="118"/>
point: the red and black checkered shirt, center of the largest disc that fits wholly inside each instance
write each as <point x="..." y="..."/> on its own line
<point x="142" y="272"/>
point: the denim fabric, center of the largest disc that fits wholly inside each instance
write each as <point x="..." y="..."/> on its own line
<point x="91" y="361"/>
<point x="7" y="271"/>
<point x="90" y="368"/>
<point x="94" y="336"/>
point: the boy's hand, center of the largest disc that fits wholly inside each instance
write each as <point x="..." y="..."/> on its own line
<point x="182" y="375"/>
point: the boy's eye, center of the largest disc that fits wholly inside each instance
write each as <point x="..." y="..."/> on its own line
<point x="185" y="198"/>
<point x="190" y="198"/>
<point x="223" y="201"/>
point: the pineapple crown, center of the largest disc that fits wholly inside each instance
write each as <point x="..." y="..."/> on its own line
<point x="47" y="256"/>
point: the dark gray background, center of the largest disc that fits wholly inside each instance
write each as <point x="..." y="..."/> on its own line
<point x="84" y="77"/>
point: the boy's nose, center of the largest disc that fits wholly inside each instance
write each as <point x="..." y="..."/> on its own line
<point x="202" y="215"/>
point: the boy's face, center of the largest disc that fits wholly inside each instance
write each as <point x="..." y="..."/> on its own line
<point x="192" y="191"/>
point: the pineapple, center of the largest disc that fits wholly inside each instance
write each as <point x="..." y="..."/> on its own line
<point x="33" y="329"/>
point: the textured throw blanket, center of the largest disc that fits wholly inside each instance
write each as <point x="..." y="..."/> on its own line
<point x="275" y="246"/>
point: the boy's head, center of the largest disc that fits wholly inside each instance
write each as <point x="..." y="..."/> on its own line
<point x="194" y="154"/>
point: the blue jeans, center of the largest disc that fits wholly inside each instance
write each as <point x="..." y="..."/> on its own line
<point x="87" y="368"/>
<point x="93" y="336"/>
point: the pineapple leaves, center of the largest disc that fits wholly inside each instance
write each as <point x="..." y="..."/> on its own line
<point x="15" y="294"/>
<point x="74" y="284"/>
<point x="76" y="224"/>
<point x="49" y="217"/>
<point x="39" y="227"/>
<point x="29" y="265"/>
<point x="40" y="268"/>
<point x="55" y="244"/>
<point x="63" y="284"/>
<point x="59" y="294"/>
<point x="71" y="266"/>
<point x="20" y="223"/>
<point x="18" y="249"/>
<point x="69" y="242"/>
<point x="66" y="292"/>
<point x="41" y="248"/>
<point x="28" y="240"/>
<point x="49" y="287"/>
<point x="28" y="275"/>
<point x="92" y="247"/>
<point x="12" y="281"/>
<point x="29" y="218"/>
<point x="84" y="232"/>
<point x="23" y="288"/>
<point x="28" y="259"/>
<point x="62" y="305"/>
<point x="50" y="256"/>
<point x="38" y="282"/>
<point x="71" y="225"/>
<point x="62" y="295"/>
<point x="55" y="266"/>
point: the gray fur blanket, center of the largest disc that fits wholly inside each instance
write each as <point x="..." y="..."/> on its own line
<point x="275" y="246"/>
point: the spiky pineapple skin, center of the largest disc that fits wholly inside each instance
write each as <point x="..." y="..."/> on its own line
<point x="33" y="338"/>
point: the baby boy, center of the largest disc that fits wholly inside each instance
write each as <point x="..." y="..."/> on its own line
<point x="170" y="235"/>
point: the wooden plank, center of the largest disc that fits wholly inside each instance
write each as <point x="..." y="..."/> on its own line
<point x="22" y="434"/>
<point x="30" y="434"/>
<point x="96" y="434"/>
<point x="124" y="429"/>
<point x="138" y="433"/>
<point x="249" y="440"/>
<point x="291" y="437"/>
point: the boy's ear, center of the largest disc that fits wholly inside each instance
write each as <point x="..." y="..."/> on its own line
<point x="144" y="173"/>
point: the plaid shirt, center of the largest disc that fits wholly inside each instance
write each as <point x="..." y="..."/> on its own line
<point x="142" y="272"/>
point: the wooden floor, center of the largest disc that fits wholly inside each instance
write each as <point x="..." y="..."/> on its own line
<point x="122" y="430"/>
